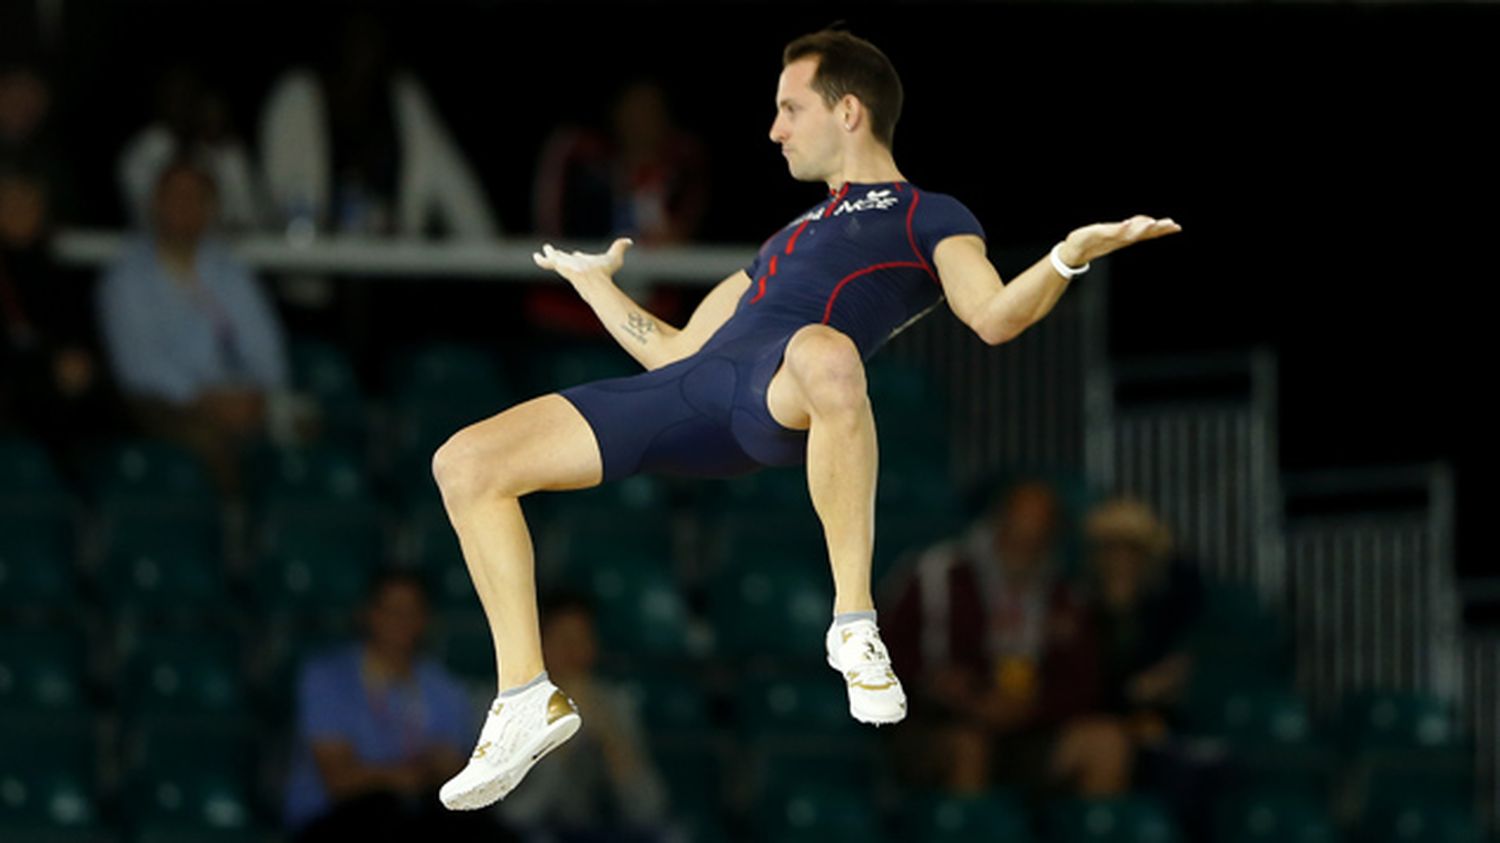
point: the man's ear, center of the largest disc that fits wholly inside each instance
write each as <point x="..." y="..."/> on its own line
<point x="851" y="111"/>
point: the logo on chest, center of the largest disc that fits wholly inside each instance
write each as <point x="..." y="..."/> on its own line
<point x="874" y="200"/>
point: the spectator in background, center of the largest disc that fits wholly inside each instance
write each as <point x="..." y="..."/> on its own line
<point x="25" y="140"/>
<point x="1146" y="603"/>
<point x="195" y="345"/>
<point x="646" y="179"/>
<point x="191" y="121"/>
<point x="51" y="382"/>
<point x="358" y="147"/>
<point x="602" y="785"/>
<point x="1004" y="654"/>
<point x="379" y="728"/>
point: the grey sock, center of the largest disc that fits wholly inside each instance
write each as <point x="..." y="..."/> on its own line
<point x="537" y="680"/>
<point x="849" y="617"/>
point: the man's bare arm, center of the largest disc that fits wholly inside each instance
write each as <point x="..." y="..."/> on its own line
<point x="649" y="339"/>
<point x="641" y="333"/>
<point x="999" y="312"/>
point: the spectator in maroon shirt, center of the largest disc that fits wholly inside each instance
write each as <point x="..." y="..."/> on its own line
<point x="1006" y="661"/>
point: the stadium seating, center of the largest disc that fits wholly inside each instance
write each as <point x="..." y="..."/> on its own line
<point x="943" y="818"/>
<point x="42" y="672"/>
<point x="37" y="569"/>
<point x="49" y="784"/>
<point x="1130" y="819"/>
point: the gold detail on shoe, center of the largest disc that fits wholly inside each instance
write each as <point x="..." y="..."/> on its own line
<point x="480" y="750"/>
<point x="871" y="687"/>
<point x="847" y="635"/>
<point x="559" y="706"/>
<point x="495" y="709"/>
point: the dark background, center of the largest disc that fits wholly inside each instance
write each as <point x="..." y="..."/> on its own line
<point x="1332" y="165"/>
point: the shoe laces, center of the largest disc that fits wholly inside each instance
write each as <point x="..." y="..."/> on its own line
<point x="864" y="658"/>
<point x="508" y="721"/>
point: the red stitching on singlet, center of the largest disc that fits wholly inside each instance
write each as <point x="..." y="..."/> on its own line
<point x="828" y="309"/>
<point x="916" y="197"/>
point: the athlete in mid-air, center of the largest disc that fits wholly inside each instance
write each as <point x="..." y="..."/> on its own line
<point x="769" y="370"/>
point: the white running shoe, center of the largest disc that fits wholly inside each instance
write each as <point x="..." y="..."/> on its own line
<point x="856" y="651"/>
<point x="517" y="732"/>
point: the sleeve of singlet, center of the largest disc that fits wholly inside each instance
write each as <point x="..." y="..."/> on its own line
<point x="937" y="216"/>
<point x="753" y="268"/>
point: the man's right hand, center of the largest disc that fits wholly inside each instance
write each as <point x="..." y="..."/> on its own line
<point x="579" y="266"/>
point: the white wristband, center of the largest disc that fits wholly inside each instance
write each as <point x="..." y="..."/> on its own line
<point x="1063" y="269"/>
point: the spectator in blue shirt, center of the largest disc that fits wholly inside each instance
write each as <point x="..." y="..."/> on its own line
<point x="380" y="727"/>
<point x="195" y="345"/>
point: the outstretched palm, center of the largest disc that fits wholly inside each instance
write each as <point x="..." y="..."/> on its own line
<point x="1099" y="239"/>
<point x="574" y="265"/>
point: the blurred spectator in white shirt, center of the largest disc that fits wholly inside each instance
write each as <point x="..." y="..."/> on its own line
<point x="358" y="147"/>
<point x="196" y="346"/>
<point x="194" y="120"/>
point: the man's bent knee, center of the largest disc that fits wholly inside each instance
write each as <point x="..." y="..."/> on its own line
<point x="543" y="443"/>
<point x="828" y="368"/>
<point x="460" y="468"/>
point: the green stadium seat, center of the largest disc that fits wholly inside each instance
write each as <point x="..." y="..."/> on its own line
<point x="1275" y="816"/>
<point x="326" y="373"/>
<point x="198" y="675"/>
<point x="584" y="541"/>
<point x="755" y="539"/>
<point x="1393" y="720"/>
<point x="1238" y="628"/>
<point x="308" y="568"/>
<point x="1251" y="715"/>
<point x="186" y="803"/>
<point x="42" y="671"/>
<point x="163" y="564"/>
<point x="770" y="492"/>
<point x="27" y="475"/>
<point x="48" y="782"/>
<point x="899" y="534"/>
<point x="669" y="702"/>
<point x="944" y="818"/>
<point x="1426" y="818"/>
<point x="1130" y="819"/>
<point x="894" y="381"/>
<point x="694" y="776"/>
<point x="572" y="365"/>
<point x="189" y="783"/>
<point x="795" y="705"/>
<point x="818" y="810"/>
<point x="37" y="571"/>
<point x="465" y="646"/>
<point x="640" y="610"/>
<point x="916" y="480"/>
<point x="310" y="476"/>
<point x="444" y="371"/>
<point x="151" y="475"/>
<point x="780" y="611"/>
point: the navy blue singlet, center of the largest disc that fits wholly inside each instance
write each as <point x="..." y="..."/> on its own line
<point x="860" y="262"/>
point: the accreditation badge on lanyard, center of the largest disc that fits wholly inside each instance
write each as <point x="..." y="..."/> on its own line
<point x="225" y="338"/>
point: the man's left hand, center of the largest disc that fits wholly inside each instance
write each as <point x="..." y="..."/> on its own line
<point x="1095" y="241"/>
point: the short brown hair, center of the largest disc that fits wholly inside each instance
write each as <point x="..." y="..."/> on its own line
<point x="848" y="64"/>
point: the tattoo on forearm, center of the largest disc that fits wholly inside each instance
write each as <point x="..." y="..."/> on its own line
<point x="639" y="326"/>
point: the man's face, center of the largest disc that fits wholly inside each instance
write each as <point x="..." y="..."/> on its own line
<point x="184" y="206"/>
<point x="397" y="618"/>
<point x="805" y="128"/>
<point x="23" y="212"/>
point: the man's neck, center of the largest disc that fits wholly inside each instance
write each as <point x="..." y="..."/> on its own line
<point x="178" y="256"/>
<point x="870" y="167"/>
<point x="385" y="668"/>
